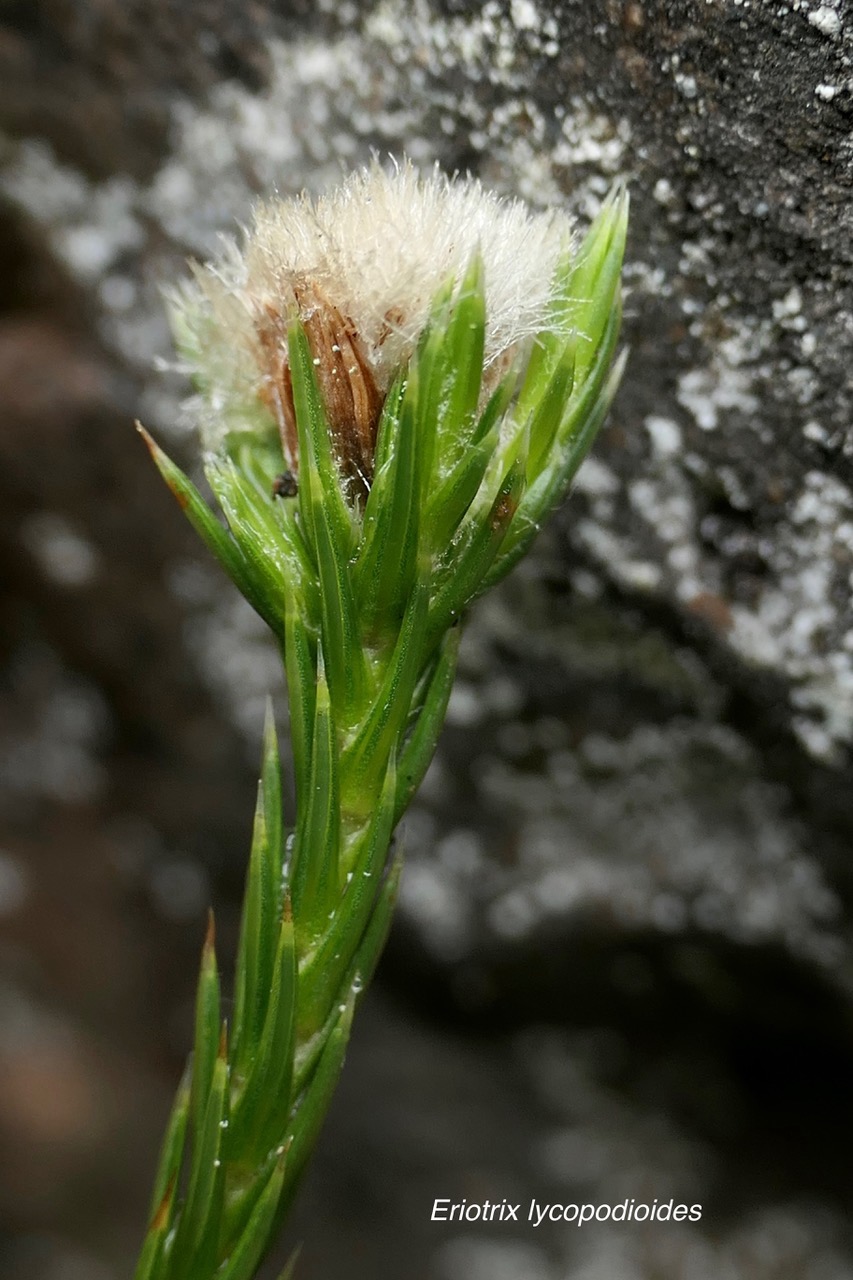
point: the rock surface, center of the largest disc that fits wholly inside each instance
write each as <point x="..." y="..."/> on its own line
<point x="637" y="830"/>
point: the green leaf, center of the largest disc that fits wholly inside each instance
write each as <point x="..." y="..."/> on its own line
<point x="376" y="934"/>
<point x="257" y="945"/>
<point x="174" y="1142"/>
<point x="342" y="651"/>
<point x="256" y="452"/>
<point x="453" y="497"/>
<point x="365" y="758"/>
<point x="586" y="289"/>
<point x="594" y="285"/>
<point x="575" y="436"/>
<point x="207" y="1029"/>
<point x="496" y="406"/>
<point x="550" y="343"/>
<point x="285" y="513"/>
<point x="420" y="746"/>
<point x="428" y="368"/>
<point x="301" y="667"/>
<point x="314" y="1104"/>
<point x="582" y="421"/>
<point x="261" y="1111"/>
<point x="271" y="788"/>
<point x="389" y="425"/>
<point x="324" y="967"/>
<point x="197" y="1237"/>
<point x="550" y="410"/>
<point x="464" y="344"/>
<point x="246" y="1255"/>
<point x="384" y="572"/>
<point x="431" y="428"/>
<point x="262" y="523"/>
<point x="314" y="876"/>
<point x="149" y="1266"/>
<point x="253" y="580"/>
<point x="329" y="529"/>
<point x="473" y="552"/>
<point x="451" y="500"/>
<point x="254" y="526"/>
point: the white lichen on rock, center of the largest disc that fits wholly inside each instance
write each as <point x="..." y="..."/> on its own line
<point x="629" y="828"/>
<point x="826" y="19"/>
<point x="792" y="620"/>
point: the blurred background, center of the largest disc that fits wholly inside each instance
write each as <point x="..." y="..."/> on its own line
<point x="621" y="965"/>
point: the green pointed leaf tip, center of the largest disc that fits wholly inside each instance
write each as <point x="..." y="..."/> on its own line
<point x="255" y="580"/>
<point x="258" y="938"/>
<point x="207" y="1028"/>
<point x="315" y="871"/>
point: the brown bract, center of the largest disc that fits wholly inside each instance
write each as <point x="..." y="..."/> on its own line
<point x="347" y="384"/>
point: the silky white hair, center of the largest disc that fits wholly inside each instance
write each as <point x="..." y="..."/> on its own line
<point x="378" y="248"/>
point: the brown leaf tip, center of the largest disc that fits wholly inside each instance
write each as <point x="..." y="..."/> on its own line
<point x="162" y="464"/>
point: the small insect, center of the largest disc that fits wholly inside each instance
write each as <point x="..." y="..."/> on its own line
<point x="285" y="485"/>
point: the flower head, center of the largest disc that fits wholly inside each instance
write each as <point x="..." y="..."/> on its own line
<point x="396" y="384"/>
<point x="361" y="268"/>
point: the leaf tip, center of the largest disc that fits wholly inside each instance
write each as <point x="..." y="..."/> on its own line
<point x="210" y="933"/>
<point x="163" y="1210"/>
<point x="146" y="435"/>
<point x="270" y="738"/>
<point x="164" y="465"/>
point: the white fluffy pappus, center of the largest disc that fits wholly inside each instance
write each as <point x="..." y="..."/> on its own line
<point x="367" y="259"/>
